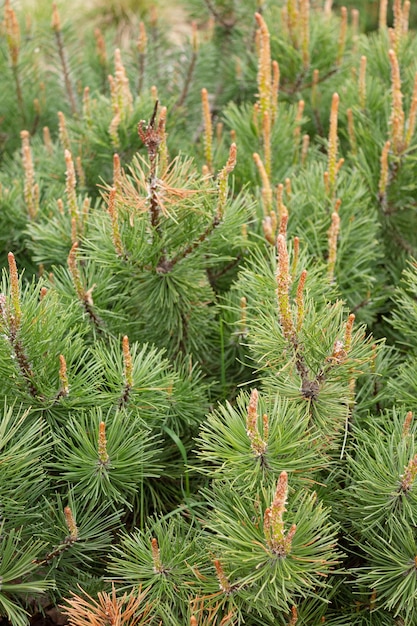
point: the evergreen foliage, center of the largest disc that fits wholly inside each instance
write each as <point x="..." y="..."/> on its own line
<point x="208" y="316"/>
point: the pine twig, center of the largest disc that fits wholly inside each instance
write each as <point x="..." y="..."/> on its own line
<point x="227" y="25"/>
<point x="187" y="83"/>
<point x="151" y="137"/>
<point x="56" y="25"/>
<point x="166" y="265"/>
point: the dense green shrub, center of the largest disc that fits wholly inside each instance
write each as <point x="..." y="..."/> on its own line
<point x="208" y="317"/>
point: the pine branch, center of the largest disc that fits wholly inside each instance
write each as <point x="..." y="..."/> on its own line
<point x="56" y="25"/>
<point x="167" y="265"/>
<point x="84" y="295"/>
<point x="214" y="276"/>
<point x="228" y="25"/>
<point x="189" y="75"/>
<point x="151" y="137"/>
<point x="23" y="363"/>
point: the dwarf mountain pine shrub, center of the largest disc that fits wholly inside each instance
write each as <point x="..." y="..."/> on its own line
<point x="208" y="314"/>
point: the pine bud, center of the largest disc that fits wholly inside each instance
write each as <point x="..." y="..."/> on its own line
<point x="407" y="424"/>
<point x="305" y="31"/>
<point x="194" y="36"/>
<point x="15" y="291"/>
<point x="12" y="33"/>
<point x="70" y="185"/>
<point x="278" y="509"/>
<point x="297" y="129"/>
<point x="406" y="16"/>
<point x="391" y="35"/>
<point x="362" y="83"/>
<point x="304" y="148"/>
<point x="224" y="583"/>
<point x="326" y="182"/>
<point x="156" y="557"/>
<point x="123" y="94"/>
<point x="62" y="131"/>
<point x="85" y="212"/>
<point x="100" y="47"/>
<point x="127" y="362"/>
<point x="342" y="35"/>
<point x="102" y="445"/>
<point x="153" y="16"/>
<point x="410" y="472"/>
<point x="288" y="539"/>
<point x="47" y="140"/>
<point x="283" y="225"/>
<point x="163" y="149"/>
<point x="339" y="353"/>
<point x="74" y="229"/>
<point x="43" y="293"/>
<point x="355" y="29"/>
<point x="328" y="7"/>
<point x="383" y="9"/>
<point x="222" y="181"/>
<point x="279" y="542"/>
<point x="268" y="230"/>
<point x="294" y="617"/>
<point x="348" y="332"/>
<point x="208" y="130"/>
<point x="87" y="105"/>
<point x="283" y="284"/>
<point x="114" y="128"/>
<point x="143" y="38"/>
<point x="205" y="172"/>
<point x="292" y="21"/>
<point x="142" y="45"/>
<point x="265" y="424"/>
<point x="384" y="175"/>
<point x="80" y="171"/>
<point x="411" y="122"/>
<point x="63" y="378"/>
<point x="117" y="242"/>
<point x="281" y="208"/>
<point x="56" y="21"/>
<point x="274" y="222"/>
<point x="70" y="521"/>
<point x="275" y="90"/>
<point x="332" y="149"/>
<point x="266" y="186"/>
<point x="397" y="113"/>
<point x="398" y="24"/>
<point x="3" y="307"/>
<point x="300" y="300"/>
<point x="264" y="67"/>
<point x="117" y="172"/>
<point x="258" y="445"/>
<point x="333" y="234"/>
<point x="75" y="273"/>
<point x="266" y="137"/>
<point x="219" y="131"/>
<point x="296" y="252"/>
